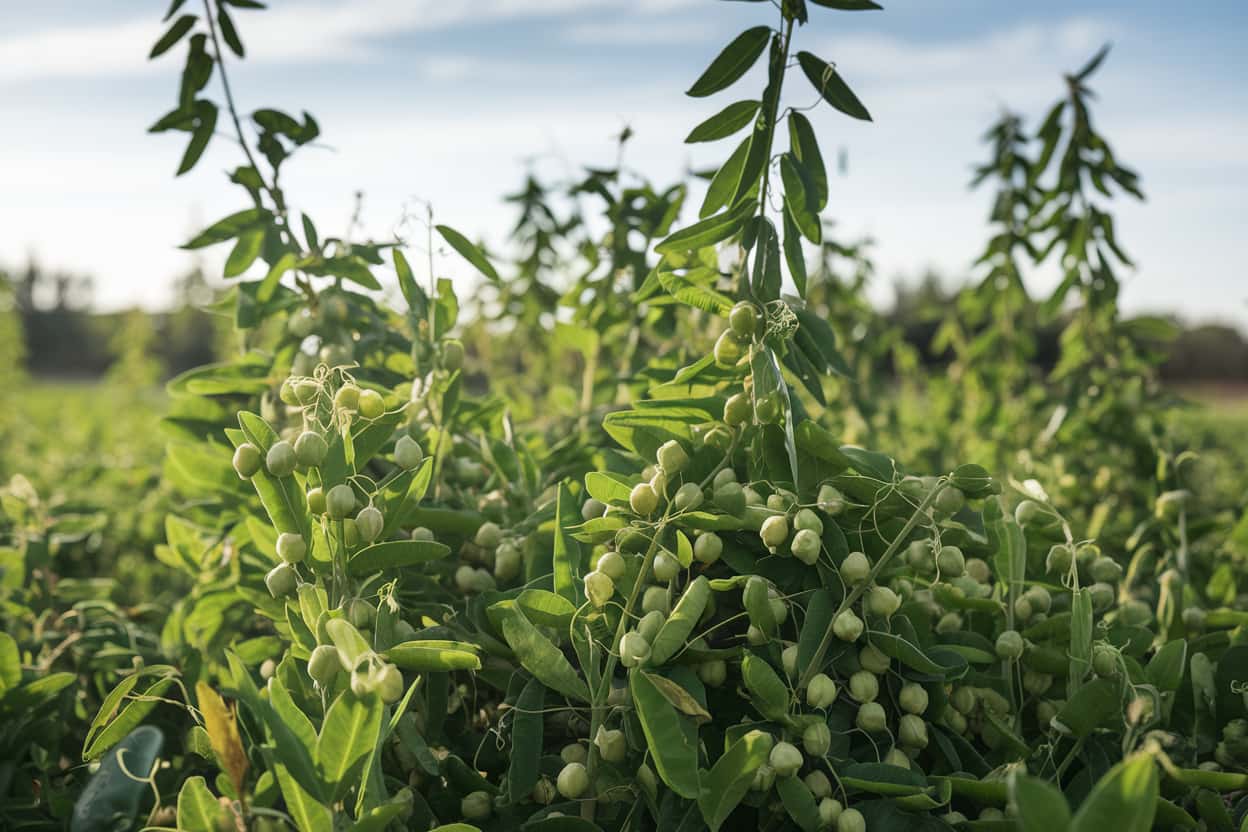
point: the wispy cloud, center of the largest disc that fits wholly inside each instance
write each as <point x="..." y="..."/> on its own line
<point x="327" y="32"/>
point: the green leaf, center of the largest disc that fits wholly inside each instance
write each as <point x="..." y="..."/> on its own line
<point x="1165" y="669"/>
<point x="794" y="257"/>
<point x="1041" y="805"/>
<point x="229" y="33"/>
<point x="174" y="34"/>
<point x="351" y="645"/>
<point x="246" y="250"/>
<point x="115" y="720"/>
<point x="609" y="488"/>
<point x="568" y="559"/>
<point x="768" y="692"/>
<point x="395" y="554"/>
<point x="804" y="146"/>
<point x="429" y="655"/>
<point x="729" y="779"/>
<point x="671" y="738"/>
<point x="849" y="5"/>
<point x="830" y="85"/>
<point x="896" y="647"/>
<point x="347" y="737"/>
<point x="680" y="698"/>
<point x="766" y="274"/>
<point x="724" y="123"/>
<point x="733" y="62"/>
<point x="274" y="276"/>
<point x="883" y="779"/>
<point x="468" y="251"/>
<point x="1092" y="706"/>
<point x="205" y="124"/>
<point x="1081" y="626"/>
<point x="309" y="814"/>
<point x="10" y="663"/>
<point x="523" y="768"/>
<point x="799" y="802"/>
<point x="709" y="231"/>
<point x="724" y="182"/>
<point x="1124" y="800"/>
<point x="546" y="608"/>
<point x="198" y="810"/>
<point x="539" y="656"/>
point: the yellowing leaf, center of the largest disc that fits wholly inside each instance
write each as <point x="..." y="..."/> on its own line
<point x="221" y="723"/>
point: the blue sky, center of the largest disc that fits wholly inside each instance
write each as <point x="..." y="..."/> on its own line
<point x="429" y="99"/>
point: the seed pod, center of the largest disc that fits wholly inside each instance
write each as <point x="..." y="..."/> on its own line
<point x="246" y="460"/>
<point x="785" y="759"/>
<point x="851" y="820"/>
<point x="730" y="497"/>
<point x="1059" y="559"/>
<point x="599" y="588"/>
<point x="912" y="698"/>
<point x="818" y="783"/>
<point x="316" y="500"/>
<point x="488" y="535"/>
<point x="912" y="731"/>
<point x="1009" y="645"/>
<point x="708" y="547"/>
<point x="1105" y="570"/>
<point x="864" y="686"/>
<point x="829" y="810"/>
<point x="592" y="508"/>
<point x="713" y="673"/>
<point x="821" y="692"/>
<point x="643" y="499"/>
<point x="655" y="600"/>
<point x="291" y="547"/>
<point x="882" y="601"/>
<point x="390" y="684"/>
<point x="573" y="780"/>
<point x="372" y="405"/>
<point x="805" y="519"/>
<point x="671" y="457"/>
<point x="949" y="501"/>
<point x="452" y="354"/>
<point x="369" y="523"/>
<point x="688" y="497"/>
<point x="476" y="805"/>
<point x="306" y="390"/>
<point x="612" y="746"/>
<point x="855" y="568"/>
<point x="788" y="660"/>
<point x="310" y="449"/>
<point x="950" y="561"/>
<point x="281" y="580"/>
<point x="407" y="453"/>
<point x="324" y="664"/>
<point x="774" y="532"/>
<point x="743" y="319"/>
<point x="507" y="562"/>
<point x="422" y="533"/>
<point x="634" y="649"/>
<point x="347" y="398"/>
<point x="339" y="502"/>
<point x="738" y="410"/>
<point x="847" y="626"/>
<point x="806" y="546"/>
<point x="764" y="778"/>
<point x="280" y="460"/>
<point x="728" y="349"/>
<point x="871" y="717"/>
<point x="874" y="660"/>
<point x="817" y="739"/>
<point x="831" y="500"/>
<point x="610" y="563"/>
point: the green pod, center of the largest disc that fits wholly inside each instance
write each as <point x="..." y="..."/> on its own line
<point x="757" y="605"/>
<point x="1049" y="660"/>
<point x="681" y="622"/>
<point x="768" y="691"/>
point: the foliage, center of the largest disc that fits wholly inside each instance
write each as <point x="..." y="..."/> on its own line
<point x="674" y="600"/>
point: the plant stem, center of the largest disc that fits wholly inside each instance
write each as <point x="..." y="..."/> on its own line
<point x="598" y="705"/>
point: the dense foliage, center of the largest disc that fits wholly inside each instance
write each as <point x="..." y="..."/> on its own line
<point x="592" y="551"/>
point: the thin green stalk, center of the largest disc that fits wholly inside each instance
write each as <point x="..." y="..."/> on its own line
<point x="599" y="701"/>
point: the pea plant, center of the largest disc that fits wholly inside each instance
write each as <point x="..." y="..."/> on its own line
<point x="681" y="603"/>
